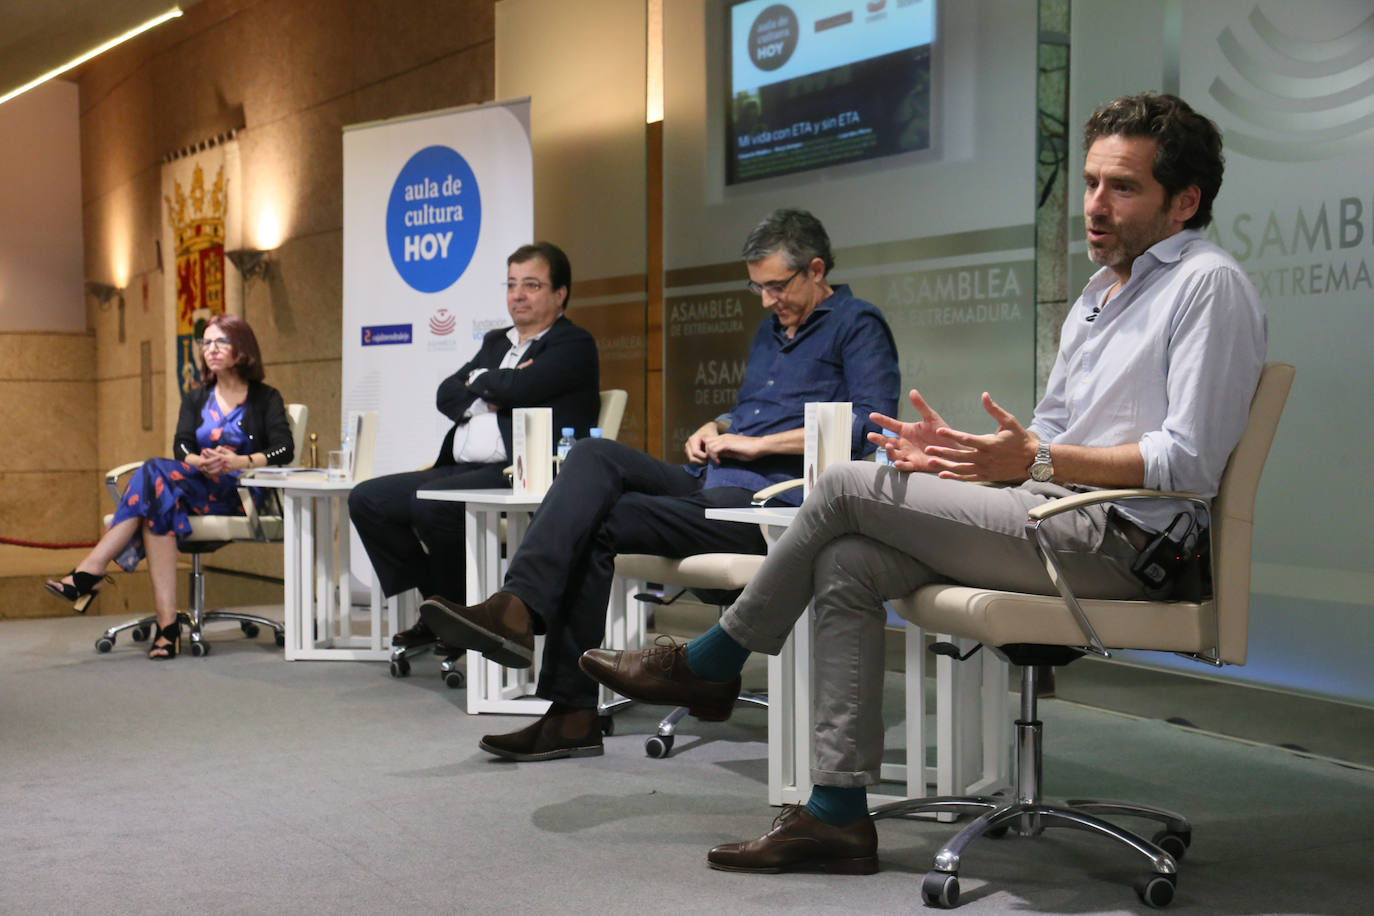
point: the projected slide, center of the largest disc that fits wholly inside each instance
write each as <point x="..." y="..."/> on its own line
<point x="821" y="82"/>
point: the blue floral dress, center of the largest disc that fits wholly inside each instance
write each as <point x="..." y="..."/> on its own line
<point x="168" y="492"/>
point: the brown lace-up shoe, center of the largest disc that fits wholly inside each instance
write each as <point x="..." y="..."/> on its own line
<point x="801" y="842"/>
<point x="563" y="731"/>
<point x="501" y="627"/>
<point x="660" y="675"/>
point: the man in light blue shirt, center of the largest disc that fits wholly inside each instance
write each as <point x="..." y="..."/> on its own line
<point x="1157" y="364"/>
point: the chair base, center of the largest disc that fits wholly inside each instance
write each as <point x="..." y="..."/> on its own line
<point x="1027" y="815"/>
<point x="940" y="888"/>
<point x="196" y="617"/>
<point x="142" y="628"/>
<point x="452" y="675"/>
<point x="660" y="744"/>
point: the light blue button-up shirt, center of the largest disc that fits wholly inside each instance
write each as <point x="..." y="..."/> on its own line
<point x="1170" y="363"/>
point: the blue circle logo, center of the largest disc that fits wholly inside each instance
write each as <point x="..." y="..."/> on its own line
<point x="433" y="219"/>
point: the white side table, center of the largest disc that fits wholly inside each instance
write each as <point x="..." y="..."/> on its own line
<point x="316" y="572"/>
<point x="492" y="687"/>
<point x="972" y="736"/>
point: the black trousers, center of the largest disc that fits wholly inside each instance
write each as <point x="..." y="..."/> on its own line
<point x="609" y="498"/>
<point x="396" y="528"/>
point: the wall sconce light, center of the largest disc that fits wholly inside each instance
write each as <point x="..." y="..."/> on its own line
<point x="103" y="293"/>
<point x="250" y="262"/>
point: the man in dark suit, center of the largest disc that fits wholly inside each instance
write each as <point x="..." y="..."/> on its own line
<point x="541" y="360"/>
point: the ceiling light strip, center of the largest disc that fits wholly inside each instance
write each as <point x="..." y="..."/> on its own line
<point x="173" y="13"/>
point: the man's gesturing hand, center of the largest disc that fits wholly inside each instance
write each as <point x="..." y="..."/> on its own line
<point x="1003" y="455"/>
<point x="908" y="450"/>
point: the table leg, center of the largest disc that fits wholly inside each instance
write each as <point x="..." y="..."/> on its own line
<point x="343" y="585"/>
<point x="310" y="616"/>
<point x="291" y="574"/>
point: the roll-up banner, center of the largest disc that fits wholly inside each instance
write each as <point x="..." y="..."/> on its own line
<point x="433" y="204"/>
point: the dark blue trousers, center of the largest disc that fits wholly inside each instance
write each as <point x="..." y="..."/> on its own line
<point x="609" y="498"/>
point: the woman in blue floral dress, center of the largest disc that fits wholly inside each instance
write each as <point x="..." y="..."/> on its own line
<point x="232" y="422"/>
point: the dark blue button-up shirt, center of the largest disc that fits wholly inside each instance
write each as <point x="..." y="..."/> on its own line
<point x="843" y="351"/>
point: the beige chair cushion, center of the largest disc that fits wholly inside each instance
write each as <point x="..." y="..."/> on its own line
<point x="705" y="570"/>
<point x="228" y="527"/>
<point x="232" y="528"/>
<point x="998" y="618"/>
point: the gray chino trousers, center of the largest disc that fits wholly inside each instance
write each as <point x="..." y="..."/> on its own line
<point x="869" y="533"/>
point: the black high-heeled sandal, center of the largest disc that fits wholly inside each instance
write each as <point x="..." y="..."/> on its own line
<point x="171" y="633"/>
<point x="81" y="592"/>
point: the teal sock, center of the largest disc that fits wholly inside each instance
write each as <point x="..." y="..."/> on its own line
<point x="716" y="656"/>
<point x="838" y="805"/>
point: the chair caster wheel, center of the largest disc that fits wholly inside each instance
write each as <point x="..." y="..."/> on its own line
<point x="280" y="637"/>
<point x="200" y="649"/>
<point x="104" y="644"/>
<point x="400" y="667"/>
<point x="607" y="725"/>
<point x="454" y="680"/>
<point x="249" y="628"/>
<point x="139" y="634"/>
<point x="1156" y="890"/>
<point x="1174" y="843"/>
<point x="658" y="746"/>
<point x="940" y="889"/>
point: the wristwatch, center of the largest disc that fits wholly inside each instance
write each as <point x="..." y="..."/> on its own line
<point x="1041" y="469"/>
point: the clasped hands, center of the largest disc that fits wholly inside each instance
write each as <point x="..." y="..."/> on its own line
<point x="709" y="444"/>
<point x="931" y="446"/>
<point x="221" y="460"/>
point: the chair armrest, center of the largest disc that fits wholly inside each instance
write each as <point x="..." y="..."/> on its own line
<point x="768" y="492"/>
<point x="112" y="478"/>
<point x="1036" y="535"/>
<point x="250" y="509"/>
<point x="1079" y="500"/>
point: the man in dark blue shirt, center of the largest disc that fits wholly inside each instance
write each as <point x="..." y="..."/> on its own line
<point x="820" y="344"/>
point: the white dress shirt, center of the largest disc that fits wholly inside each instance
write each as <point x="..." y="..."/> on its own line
<point x="1170" y="363"/>
<point x="478" y="441"/>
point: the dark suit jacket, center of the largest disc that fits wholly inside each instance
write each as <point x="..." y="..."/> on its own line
<point x="565" y="375"/>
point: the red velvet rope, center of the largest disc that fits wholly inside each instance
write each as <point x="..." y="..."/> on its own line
<point x="43" y="545"/>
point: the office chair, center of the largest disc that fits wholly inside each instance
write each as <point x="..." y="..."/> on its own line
<point x="208" y="534"/>
<point x="612" y="412"/>
<point x="1035" y="630"/>
<point x="609" y="417"/>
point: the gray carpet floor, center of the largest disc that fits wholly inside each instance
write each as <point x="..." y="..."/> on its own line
<point x="240" y="783"/>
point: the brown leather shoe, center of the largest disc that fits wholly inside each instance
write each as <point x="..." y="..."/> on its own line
<point x="500" y="627"/>
<point x="660" y="675"/>
<point x="563" y="731"/>
<point x="801" y="842"/>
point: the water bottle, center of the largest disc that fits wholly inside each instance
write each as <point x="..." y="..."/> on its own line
<point x="594" y="432"/>
<point x="565" y="443"/>
<point x="881" y="455"/>
<point x="346" y="445"/>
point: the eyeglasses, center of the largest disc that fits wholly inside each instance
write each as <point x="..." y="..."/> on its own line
<point x="776" y="287"/>
<point x="215" y="343"/>
<point x="528" y="284"/>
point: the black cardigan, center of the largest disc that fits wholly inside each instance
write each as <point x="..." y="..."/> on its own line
<point x="264" y="422"/>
